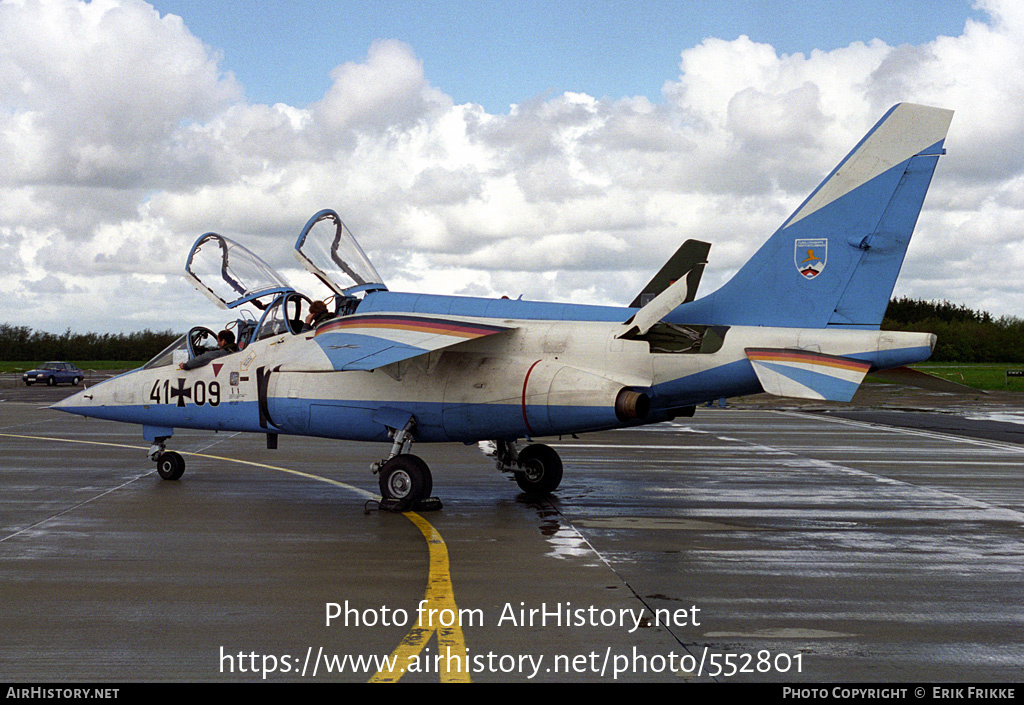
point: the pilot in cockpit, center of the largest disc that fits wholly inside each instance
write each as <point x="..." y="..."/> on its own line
<point x="225" y="346"/>
<point x="317" y="314"/>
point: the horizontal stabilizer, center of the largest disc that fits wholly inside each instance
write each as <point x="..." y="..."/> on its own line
<point x="807" y="375"/>
<point x="369" y="341"/>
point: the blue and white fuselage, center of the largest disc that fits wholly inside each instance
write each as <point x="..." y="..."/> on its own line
<point x="800" y="319"/>
<point x="536" y="378"/>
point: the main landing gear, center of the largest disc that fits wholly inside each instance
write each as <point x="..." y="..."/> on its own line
<point x="405" y="480"/>
<point x="537" y="468"/>
<point x="169" y="465"/>
<point x="406" y="483"/>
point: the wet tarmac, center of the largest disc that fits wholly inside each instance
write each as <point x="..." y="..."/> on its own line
<point x="779" y="545"/>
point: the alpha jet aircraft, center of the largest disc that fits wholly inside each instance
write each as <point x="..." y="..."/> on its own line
<point x="800" y="319"/>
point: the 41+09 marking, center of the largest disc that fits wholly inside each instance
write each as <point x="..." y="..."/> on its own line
<point x="201" y="393"/>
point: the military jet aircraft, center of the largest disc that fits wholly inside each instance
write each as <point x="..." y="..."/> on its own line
<point x="800" y="319"/>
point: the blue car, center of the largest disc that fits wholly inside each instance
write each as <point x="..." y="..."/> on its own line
<point x="52" y="373"/>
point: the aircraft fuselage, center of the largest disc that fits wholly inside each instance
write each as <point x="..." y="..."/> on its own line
<point x="541" y="378"/>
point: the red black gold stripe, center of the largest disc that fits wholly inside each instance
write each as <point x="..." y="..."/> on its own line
<point x="806" y="357"/>
<point x="420" y="324"/>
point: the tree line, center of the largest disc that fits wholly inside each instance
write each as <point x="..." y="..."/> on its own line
<point x="23" y="343"/>
<point x="964" y="335"/>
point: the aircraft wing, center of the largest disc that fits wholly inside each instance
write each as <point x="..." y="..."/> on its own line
<point x="372" y="340"/>
<point x="807" y="375"/>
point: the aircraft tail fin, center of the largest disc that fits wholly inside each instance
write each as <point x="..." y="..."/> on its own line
<point x="834" y="262"/>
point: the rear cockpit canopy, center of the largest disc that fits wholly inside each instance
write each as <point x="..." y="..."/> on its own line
<point x="229" y="273"/>
<point x="329" y="250"/>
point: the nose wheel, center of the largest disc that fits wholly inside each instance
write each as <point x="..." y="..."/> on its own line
<point x="170" y="465"/>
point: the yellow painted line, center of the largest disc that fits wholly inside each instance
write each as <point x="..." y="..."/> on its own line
<point x="299" y="473"/>
<point x="440" y="607"/>
<point x="72" y="440"/>
<point x="438" y="598"/>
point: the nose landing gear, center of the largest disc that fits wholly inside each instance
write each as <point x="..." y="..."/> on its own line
<point x="169" y="465"/>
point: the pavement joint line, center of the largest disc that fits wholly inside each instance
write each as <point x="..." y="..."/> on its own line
<point x="27" y="423"/>
<point x="440" y="594"/>
<point x="71" y="508"/>
<point x="93" y="498"/>
<point x="554" y="506"/>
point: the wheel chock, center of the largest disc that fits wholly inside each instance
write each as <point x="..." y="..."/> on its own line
<point x="427" y="504"/>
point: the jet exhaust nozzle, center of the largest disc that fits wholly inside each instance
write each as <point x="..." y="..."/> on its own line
<point x="631" y="405"/>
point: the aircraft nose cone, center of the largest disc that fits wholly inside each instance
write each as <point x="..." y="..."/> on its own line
<point x="73" y="402"/>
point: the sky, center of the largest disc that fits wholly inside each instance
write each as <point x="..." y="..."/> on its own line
<point x="555" y="150"/>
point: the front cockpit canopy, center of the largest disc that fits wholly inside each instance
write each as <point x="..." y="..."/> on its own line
<point x="229" y="273"/>
<point x="329" y="250"/>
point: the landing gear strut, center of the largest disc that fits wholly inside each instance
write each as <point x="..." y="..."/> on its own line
<point x="537" y="468"/>
<point x="405" y="480"/>
<point x="169" y="465"/>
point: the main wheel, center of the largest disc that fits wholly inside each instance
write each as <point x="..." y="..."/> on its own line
<point x="405" y="477"/>
<point x="51" y="381"/>
<point x="75" y="381"/>
<point x="540" y="470"/>
<point x="170" y="465"/>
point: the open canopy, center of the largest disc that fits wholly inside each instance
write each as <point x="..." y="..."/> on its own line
<point x="327" y="249"/>
<point x="229" y="273"/>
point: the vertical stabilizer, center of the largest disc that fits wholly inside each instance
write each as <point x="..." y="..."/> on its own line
<point x="836" y="259"/>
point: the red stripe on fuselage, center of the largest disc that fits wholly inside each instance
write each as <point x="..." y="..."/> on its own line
<point x="526" y="380"/>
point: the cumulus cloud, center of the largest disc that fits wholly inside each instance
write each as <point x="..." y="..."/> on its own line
<point x="123" y="139"/>
<point x="385" y="92"/>
<point x="95" y="93"/>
